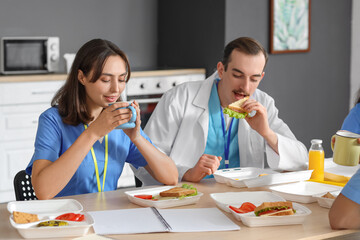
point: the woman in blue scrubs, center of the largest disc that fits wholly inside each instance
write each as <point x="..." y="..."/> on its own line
<point x="345" y="211"/>
<point x="77" y="148"/>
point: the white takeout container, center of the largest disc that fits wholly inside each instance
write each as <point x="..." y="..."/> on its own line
<point x="251" y="220"/>
<point x="160" y="203"/>
<point x="74" y="229"/>
<point x="249" y="177"/>
<point x="326" y="202"/>
<point x="223" y="200"/>
<point x="240" y="173"/>
<point x="303" y="191"/>
<point x="49" y="210"/>
<point x="47" y="207"/>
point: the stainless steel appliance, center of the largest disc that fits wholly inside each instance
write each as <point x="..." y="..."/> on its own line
<point x="29" y="55"/>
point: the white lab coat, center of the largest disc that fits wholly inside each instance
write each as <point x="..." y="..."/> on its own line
<point x="179" y="128"/>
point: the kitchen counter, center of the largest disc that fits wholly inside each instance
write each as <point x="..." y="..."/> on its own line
<point x="59" y="77"/>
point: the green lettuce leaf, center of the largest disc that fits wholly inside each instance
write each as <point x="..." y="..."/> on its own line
<point x="234" y="114"/>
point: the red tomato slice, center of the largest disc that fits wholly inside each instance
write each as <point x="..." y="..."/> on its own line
<point x="237" y="210"/>
<point x="143" y="196"/>
<point x="248" y="207"/>
<point x="71" y="217"/>
<point x="66" y="216"/>
<point x="80" y="218"/>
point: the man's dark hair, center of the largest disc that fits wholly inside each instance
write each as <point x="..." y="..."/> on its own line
<point x="243" y="44"/>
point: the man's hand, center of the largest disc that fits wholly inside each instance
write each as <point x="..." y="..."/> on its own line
<point x="206" y="165"/>
<point x="260" y="123"/>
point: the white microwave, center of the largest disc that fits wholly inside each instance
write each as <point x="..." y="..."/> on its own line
<point x="29" y="55"/>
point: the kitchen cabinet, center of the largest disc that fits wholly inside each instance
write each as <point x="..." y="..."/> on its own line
<point x="21" y="103"/>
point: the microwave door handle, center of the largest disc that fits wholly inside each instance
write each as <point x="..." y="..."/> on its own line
<point x="149" y="100"/>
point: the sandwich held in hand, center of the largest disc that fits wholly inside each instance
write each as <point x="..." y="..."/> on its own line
<point x="274" y="209"/>
<point x="235" y="110"/>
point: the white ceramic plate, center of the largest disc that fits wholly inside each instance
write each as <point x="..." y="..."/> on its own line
<point x="251" y="220"/>
<point x="303" y="191"/>
<point x="47" y="207"/>
<point x="326" y="202"/>
<point x="223" y="200"/>
<point x="160" y="203"/>
<point x="238" y="174"/>
<point x="31" y="230"/>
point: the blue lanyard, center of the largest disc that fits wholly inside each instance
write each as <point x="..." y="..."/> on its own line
<point x="226" y="141"/>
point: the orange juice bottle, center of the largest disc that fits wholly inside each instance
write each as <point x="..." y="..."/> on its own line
<point x="316" y="160"/>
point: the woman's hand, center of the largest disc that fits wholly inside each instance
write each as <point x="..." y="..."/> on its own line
<point x="134" y="133"/>
<point x="110" y="118"/>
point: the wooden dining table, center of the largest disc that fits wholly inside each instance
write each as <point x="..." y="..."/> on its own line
<point x="315" y="226"/>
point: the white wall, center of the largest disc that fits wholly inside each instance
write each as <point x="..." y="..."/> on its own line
<point x="355" y="52"/>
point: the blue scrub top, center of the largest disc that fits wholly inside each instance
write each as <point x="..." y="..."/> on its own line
<point x="215" y="143"/>
<point x="352" y="124"/>
<point x="352" y="188"/>
<point x="352" y="121"/>
<point x="54" y="137"/>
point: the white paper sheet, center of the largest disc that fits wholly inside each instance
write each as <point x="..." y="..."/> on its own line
<point x="198" y="220"/>
<point x="143" y="220"/>
<point x="126" y="221"/>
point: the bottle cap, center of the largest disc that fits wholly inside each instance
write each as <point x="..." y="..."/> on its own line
<point x="316" y="141"/>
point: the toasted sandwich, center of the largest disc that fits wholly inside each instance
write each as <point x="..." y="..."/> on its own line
<point x="235" y="110"/>
<point x="177" y="192"/>
<point x="274" y="209"/>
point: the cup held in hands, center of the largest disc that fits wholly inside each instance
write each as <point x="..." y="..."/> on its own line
<point x="346" y="149"/>
<point x="131" y="122"/>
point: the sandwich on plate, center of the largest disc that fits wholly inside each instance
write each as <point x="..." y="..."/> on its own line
<point x="235" y="110"/>
<point x="178" y="192"/>
<point x="274" y="209"/>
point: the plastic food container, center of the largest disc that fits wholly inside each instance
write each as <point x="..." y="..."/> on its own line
<point x="160" y="203"/>
<point x="326" y="202"/>
<point x="257" y="177"/>
<point x="303" y="191"/>
<point x="49" y="210"/>
<point x="239" y="174"/>
<point x="251" y="220"/>
<point x="223" y="200"/>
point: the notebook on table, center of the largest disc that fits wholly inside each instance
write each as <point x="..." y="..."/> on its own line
<point x="147" y="220"/>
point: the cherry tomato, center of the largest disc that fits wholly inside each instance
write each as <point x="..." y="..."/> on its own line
<point x="143" y="196"/>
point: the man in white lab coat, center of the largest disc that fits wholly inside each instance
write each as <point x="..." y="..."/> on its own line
<point x="188" y="123"/>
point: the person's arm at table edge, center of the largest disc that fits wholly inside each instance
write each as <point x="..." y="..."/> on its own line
<point x="344" y="214"/>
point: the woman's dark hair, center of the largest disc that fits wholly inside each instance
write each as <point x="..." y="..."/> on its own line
<point x="71" y="98"/>
<point x="243" y="44"/>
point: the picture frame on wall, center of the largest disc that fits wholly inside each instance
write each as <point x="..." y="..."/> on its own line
<point x="290" y="26"/>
